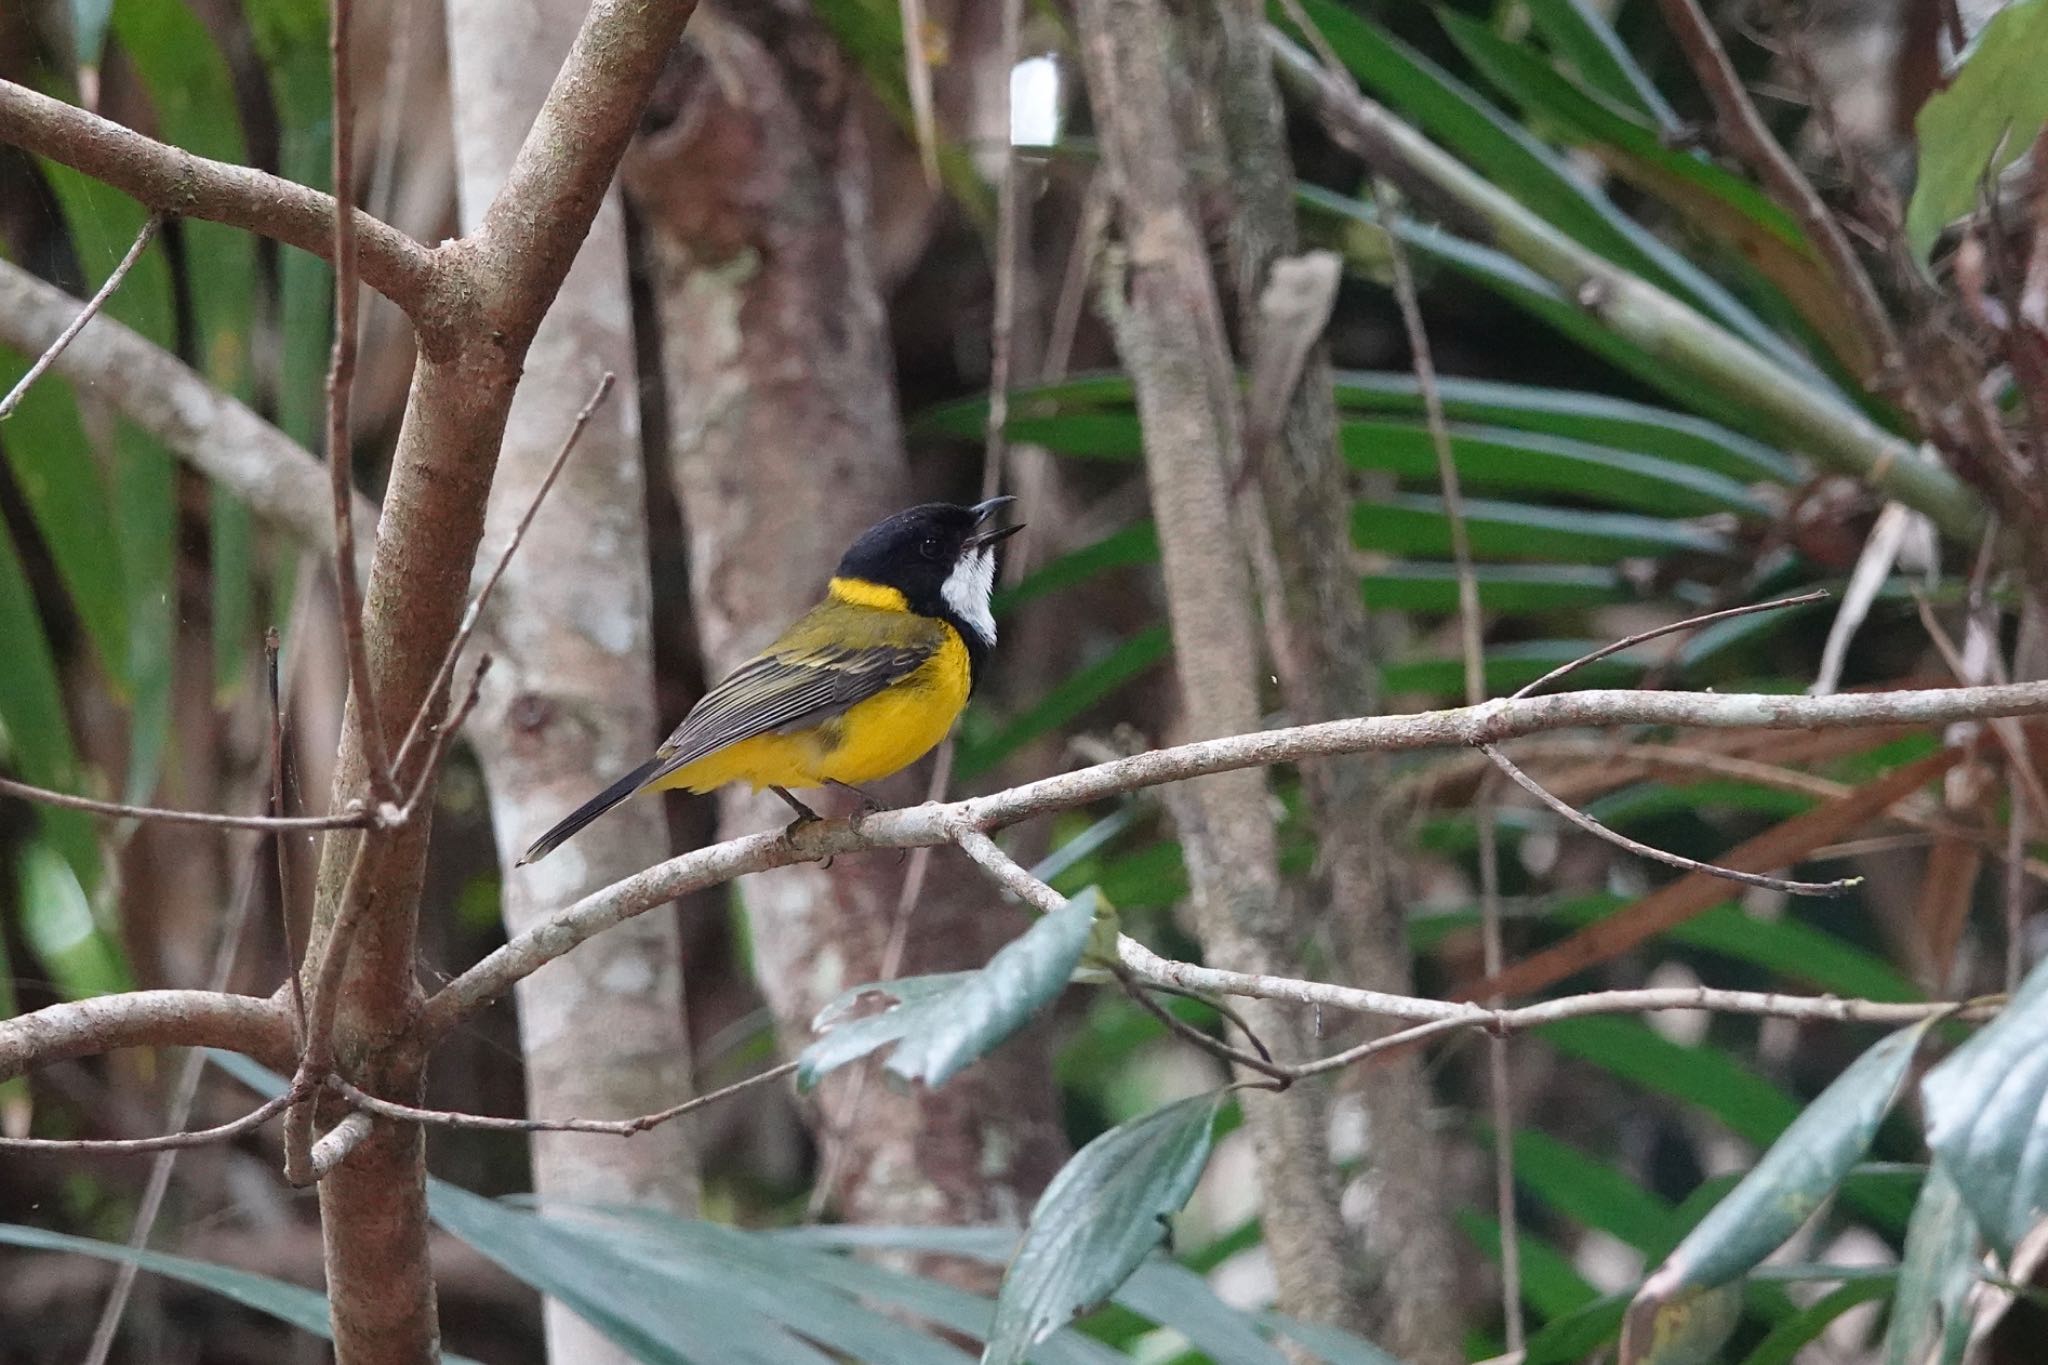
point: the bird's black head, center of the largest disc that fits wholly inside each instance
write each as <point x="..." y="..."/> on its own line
<point x="941" y="557"/>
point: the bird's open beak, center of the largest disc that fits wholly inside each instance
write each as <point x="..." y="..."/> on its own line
<point x="982" y="512"/>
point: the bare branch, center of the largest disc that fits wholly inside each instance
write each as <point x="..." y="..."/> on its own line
<point x="208" y="819"/>
<point x="217" y="436"/>
<point x="1744" y="131"/>
<point x="169" y="1142"/>
<point x="448" y="1118"/>
<point x="176" y="182"/>
<point x="1840" y="887"/>
<point x="1671" y="628"/>
<point x="85" y="314"/>
<point x="529" y="236"/>
<point x="255" y="1025"/>
<point x="927" y="825"/>
<point x="341" y="376"/>
<point x="336" y="1143"/>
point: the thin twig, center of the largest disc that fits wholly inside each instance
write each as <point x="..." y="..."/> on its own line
<point x="284" y="880"/>
<point x="1672" y="628"/>
<point x="341" y="374"/>
<point x="200" y="1137"/>
<point x="1260" y="1061"/>
<point x="445" y="732"/>
<point x="1743" y="129"/>
<point x="1586" y="822"/>
<point x="1010" y="237"/>
<point x="1222" y="1007"/>
<point x="186" y="1087"/>
<point x="1761" y="1004"/>
<point x="475" y="611"/>
<point x="323" y="1002"/>
<point x="214" y="820"/>
<point x="1471" y="639"/>
<point x="85" y="315"/>
<point x="447" y="1118"/>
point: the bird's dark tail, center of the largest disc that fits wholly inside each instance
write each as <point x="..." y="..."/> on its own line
<point x="590" y="810"/>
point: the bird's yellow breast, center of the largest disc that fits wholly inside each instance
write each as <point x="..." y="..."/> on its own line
<point x="868" y="741"/>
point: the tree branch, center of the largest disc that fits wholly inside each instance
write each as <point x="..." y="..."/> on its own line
<point x="224" y="440"/>
<point x="933" y="824"/>
<point x="174" y="181"/>
<point x="448" y="1118"/>
<point x="259" y="1026"/>
<point x="85" y="315"/>
<point x="521" y="251"/>
<point x="168" y="1142"/>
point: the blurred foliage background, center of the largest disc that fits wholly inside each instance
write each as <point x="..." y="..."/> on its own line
<point x="1614" y="481"/>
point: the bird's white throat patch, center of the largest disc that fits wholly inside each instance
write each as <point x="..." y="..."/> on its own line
<point x="967" y="590"/>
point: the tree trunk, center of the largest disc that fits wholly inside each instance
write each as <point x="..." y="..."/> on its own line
<point x="785" y="445"/>
<point x="1328" y="675"/>
<point x="1169" y="327"/>
<point x="569" y="703"/>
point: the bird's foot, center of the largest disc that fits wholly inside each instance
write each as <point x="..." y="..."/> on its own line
<point x="868" y="804"/>
<point x="804" y="816"/>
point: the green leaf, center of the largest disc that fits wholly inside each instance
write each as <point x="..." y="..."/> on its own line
<point x="1335" y="1346"/>
<point x="1750" y="1106"/>
<point x="1415" y="523"/>
<point x="1795" y="950"/>
<point x="1585" y="119"/>
<point x="1510" y="589"/>
<point x="302" y="1308"/>
<point x="1596" y="1193"/>
<point x="1936" y="1273"/>
<point x="1127" y="548"/>
<point x="146" y="513"/>
<point x="1550" y="1283"/>
<point x="290" y="37"/>
<point x="942" y="1023"/>
<point x="1500" y="459"/>
<point x="1505" y="667"/>
<point x="1983" y="121"/>
<point x="57" y="920"/>
<point x="62" y="484"/>
<point x="1790" y="1181"/>
<point x="1984" y="1105"/>
<point x="1803" y="1328"/>
<point x="646" y="1306"/>
<point x="1069" y="699"/>
<point x="1506" y="154"/>
<point x="1594" y="417"/>
<point x="1571" y="1338"/>
<point x="1172" y="1294"/>
<point x="35" y="733"/>
<point x="1097" y="1221"/>
<point x="1688" y="1330"/>
<point x="1576" y="31"/>
<point x="1509" y="279"/>
<point x="192" y="93"/>
<point x="774" y="1279"/>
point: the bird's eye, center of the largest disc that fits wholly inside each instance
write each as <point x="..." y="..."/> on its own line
<point x="929" y="548"/>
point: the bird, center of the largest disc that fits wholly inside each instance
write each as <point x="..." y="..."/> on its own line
<point x="861" y="686"/>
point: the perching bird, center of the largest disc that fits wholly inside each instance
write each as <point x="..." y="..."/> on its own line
<point x="864" y="685"/>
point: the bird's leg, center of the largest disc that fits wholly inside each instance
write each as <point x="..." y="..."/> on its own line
<point x="804" y="814"/>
